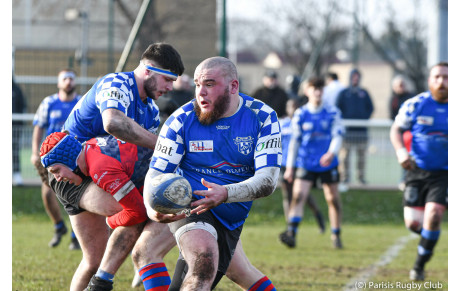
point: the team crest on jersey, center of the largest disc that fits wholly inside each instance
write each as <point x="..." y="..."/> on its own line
<point x="245" y="144"/>
<point x="324" y="124"/>
<point x="425" y="120"/>
<point x="196" y="146"/>
<point x="307" y="126"/>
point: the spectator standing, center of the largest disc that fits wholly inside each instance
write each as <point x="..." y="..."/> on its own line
<point x="425" y="194"/>
<point x="332" y="89"/>
<point x="316" y="139"/>
<point x="399" y="94"/>
<point x="19" y="106"/>
<point x="355" y="103"/>
<point x="49" y="118"/>
<point x="272" y="94"/>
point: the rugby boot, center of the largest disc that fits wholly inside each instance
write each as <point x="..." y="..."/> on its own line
<point x="97" y="284"/>
<point x="336" y="241"/>
<point x="417" y="275"/>
<point x="58" y="233"/>
<point x="287" y="238"/>
<point x="74" y="244"/>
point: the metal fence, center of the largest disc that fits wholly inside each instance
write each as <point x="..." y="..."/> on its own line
<point x="382" y="168"/>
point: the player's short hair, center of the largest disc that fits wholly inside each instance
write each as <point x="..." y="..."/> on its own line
<point x="332" y="75"/>
<point x="165" y="56"/>
<point x="316" y="82"/>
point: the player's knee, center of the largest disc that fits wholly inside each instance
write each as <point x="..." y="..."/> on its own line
<point x="204" y="267"/>
<point x="413" y="218"/>
<point x="414" y="226"/>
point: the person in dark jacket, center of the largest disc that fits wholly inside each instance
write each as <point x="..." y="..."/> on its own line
<point x="399" y="94"/>
<point x="355" y="103"/>
<point x="272" y="94"/>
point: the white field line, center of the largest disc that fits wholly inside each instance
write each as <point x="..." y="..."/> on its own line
<point x="362" y="278"/>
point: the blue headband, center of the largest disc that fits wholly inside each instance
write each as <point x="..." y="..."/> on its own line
<point x="160" y="71"/>
<point x="66" y="152"/>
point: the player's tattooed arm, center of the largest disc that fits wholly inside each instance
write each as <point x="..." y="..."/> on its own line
<point x="262" y="184"/>
<point x="122" y="127"/>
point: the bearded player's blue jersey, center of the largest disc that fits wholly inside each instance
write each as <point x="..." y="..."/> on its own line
<point x="228" y="151"/>
<point x="115" y="90"/>
<point x="427" y="121"/>
<point x="314" y="129"/>
<point x="52" y="113"/>
<point x="286" y="133"/>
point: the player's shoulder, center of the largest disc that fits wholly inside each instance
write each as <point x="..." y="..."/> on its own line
<point x="51" y="99"/>
<point x="116" y="80"/>
<point x="258" y="107"/>
<point x="415" y="102"/>
<point x="179" y="117"/>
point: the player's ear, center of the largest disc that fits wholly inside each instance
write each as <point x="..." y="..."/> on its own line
<point x="234" y="86"/>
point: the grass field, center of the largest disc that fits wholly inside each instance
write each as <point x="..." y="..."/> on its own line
<point x="373" y="226"/>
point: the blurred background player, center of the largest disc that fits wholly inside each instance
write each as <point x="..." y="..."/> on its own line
<point x="286" y="186"/>
<point x="316" y="139"/>
<point x="272" y="94"/>
<point x="425" y="194"/>
<point x="332" y="89"/>
<point x="18" y="106"/>
<point x="49" y="118"/>
<point x="354" y="102"/>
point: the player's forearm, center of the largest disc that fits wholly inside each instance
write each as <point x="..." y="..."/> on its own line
<point x="262" y="184"/>
<point x="36" y="139"/>
<point x="126" y="129"/>
<point x="133" y="212"/>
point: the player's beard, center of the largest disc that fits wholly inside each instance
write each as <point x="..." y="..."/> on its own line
<point x="220" y="107"/>
<point x="69" y="90"/>
<point x="150" y="87"/>
<point x="440" y="93"/>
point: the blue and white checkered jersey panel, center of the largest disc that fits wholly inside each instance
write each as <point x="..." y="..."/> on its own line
<point x="427" y="120"/>
<point x="115" y="91"/>
<point x="228" y="151"/>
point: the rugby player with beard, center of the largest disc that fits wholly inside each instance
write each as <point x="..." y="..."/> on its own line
<point x="49" y="118"/>
<point x="228" y="146"/>
<point x="122" y="105"/>
<point x="425" y="194"/>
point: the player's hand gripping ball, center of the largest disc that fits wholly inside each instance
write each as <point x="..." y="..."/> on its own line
<point x="169" y="194"/>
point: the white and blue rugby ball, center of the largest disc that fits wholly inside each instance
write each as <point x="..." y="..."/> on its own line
<point x="169" y="194"/>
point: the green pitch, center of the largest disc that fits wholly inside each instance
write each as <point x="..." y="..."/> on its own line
<point x="372" y="230"/>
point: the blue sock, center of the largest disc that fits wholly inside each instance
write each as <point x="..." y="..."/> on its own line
<point x="104" y="275"/>
<point x="294" y="224"/>
<point x="336" y="231"/>
<point x="59" y="225"/>
<point x="72" y="234"/>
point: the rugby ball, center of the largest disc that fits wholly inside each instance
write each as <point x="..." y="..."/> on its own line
<point x="168" y="193"/>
